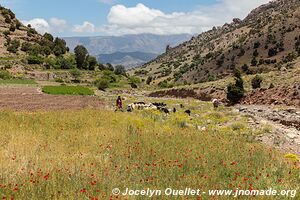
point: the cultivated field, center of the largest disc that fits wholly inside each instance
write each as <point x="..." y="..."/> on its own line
<point x="31" y="99"/>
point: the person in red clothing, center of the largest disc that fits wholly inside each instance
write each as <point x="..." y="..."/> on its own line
<point x="119" y="104"/>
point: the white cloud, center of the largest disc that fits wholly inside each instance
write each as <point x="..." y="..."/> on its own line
<point x="54" y="25"/>
<point x="58" y="25"/>
<point x="41" y="25"/>
<point x="86" y="27"/>
<point x="141" y="19"/>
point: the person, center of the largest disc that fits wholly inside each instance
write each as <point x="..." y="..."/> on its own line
<point x="119" y="104"/>
<point x="216" y="103"/>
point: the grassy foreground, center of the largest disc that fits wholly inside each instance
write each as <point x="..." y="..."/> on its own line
<point x="85" y="154"/>
<point x="67" y="90"/>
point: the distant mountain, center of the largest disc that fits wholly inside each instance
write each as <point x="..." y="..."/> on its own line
<point x="136" y="49"/>
<point x="127" y="59"/>
<point x="128" y="43"/>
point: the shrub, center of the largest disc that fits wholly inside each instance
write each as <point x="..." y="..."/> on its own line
<point x="254" y="61"/>
<point x="35" y="60"/>
<point x="18" y="24"/>
<point x="4" y="75"/>
<point x="272" y="52"/>
<point x="12" y="28"/>
<point x="13" y="46"/>
<point x="149" y="80"/>
<point x="6" y="33"/>
<point x="256" y="82"/>
<point x="102" y="83"/>
<point x="120" y="70"/>
<point x="165" y="84"/>
<point x="76" y="73"/>
<point x="235" y="92"/>
<point x="134" y="80"/>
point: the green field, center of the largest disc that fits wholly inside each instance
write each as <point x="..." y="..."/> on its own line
<point x="67" y="90"/>
<point x="18" y="81"/>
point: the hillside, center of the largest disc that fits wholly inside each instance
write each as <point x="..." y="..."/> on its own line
<point x="127" y="59"/>
<point x="267" y="39"/>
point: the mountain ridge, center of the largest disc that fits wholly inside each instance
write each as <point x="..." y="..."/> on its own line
<point x="267" y="39"/>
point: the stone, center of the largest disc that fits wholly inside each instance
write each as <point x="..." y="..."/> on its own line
<point x="291" y="136"/>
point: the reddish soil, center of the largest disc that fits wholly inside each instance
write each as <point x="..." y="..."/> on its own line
<point x="201" y="94"/>
<point x="289" y="96"/>
<point x="31" y="99"/>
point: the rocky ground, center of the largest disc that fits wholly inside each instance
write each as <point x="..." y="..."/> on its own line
<point x="284" y="123"/>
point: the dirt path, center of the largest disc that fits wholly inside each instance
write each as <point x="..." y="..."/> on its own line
<point x="31" y="99"/>
<point x="285" y="134"/>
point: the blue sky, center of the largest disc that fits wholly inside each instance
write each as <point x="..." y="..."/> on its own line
<point x="119" y="17"/>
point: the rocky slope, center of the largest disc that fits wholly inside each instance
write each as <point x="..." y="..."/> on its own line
<point x="267" y="39"/>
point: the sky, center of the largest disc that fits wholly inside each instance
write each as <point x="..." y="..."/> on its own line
<point x="122" y="17"/>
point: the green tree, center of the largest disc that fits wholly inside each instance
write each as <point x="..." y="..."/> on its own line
<point x="92" y="62"/>
<point x="81" y="54"/>
<point x="110" y="67"/>
<point x="120" y="70"/>
<point x="48" y="37"/>
<point x="235" y="92"/>
<point x="102" y="84"/>
<point x="149" y="80"/>
<point x="256" y="82"/>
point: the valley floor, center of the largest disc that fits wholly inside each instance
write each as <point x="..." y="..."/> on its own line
<point x="87" y="149"/>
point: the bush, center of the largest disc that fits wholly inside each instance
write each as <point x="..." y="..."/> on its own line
<point x="13" y="46"/>
<point x="102" y="83"/>
<point x="12" y="28"/>
<point x="134" y="80"/>
<point x="165" y="84"/>
<point x="256" y="82"/>
<point x="76" y="73"/>
<point x="18" y="24"/>
<point x="149" y="80"/>
<point x="6" y="33"/>
<point x="120" y="70"/>
<point x="235" y="92"/>
<point x="4" y="75"/>
<point x="35" y="60"/>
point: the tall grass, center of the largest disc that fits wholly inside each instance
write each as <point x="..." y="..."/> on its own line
<point x="85" y="154"/>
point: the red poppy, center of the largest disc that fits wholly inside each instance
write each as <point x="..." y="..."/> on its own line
<point x="46" y="177"/>
<point x="83" y="190"/>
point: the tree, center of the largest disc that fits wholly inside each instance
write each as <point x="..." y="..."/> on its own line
<point x="92" y="62"/>
<point x="149" y="80"/>
<point x="102" y="84"/>
<point x="256" y="82"/>
<point x="48" y="37"/>
<point x="110" y="67"/>
<point x="120" y="70"/>
<point x="235" y="92"/>
<point x="81" y="54"/>
<point x="60" y="47"/>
